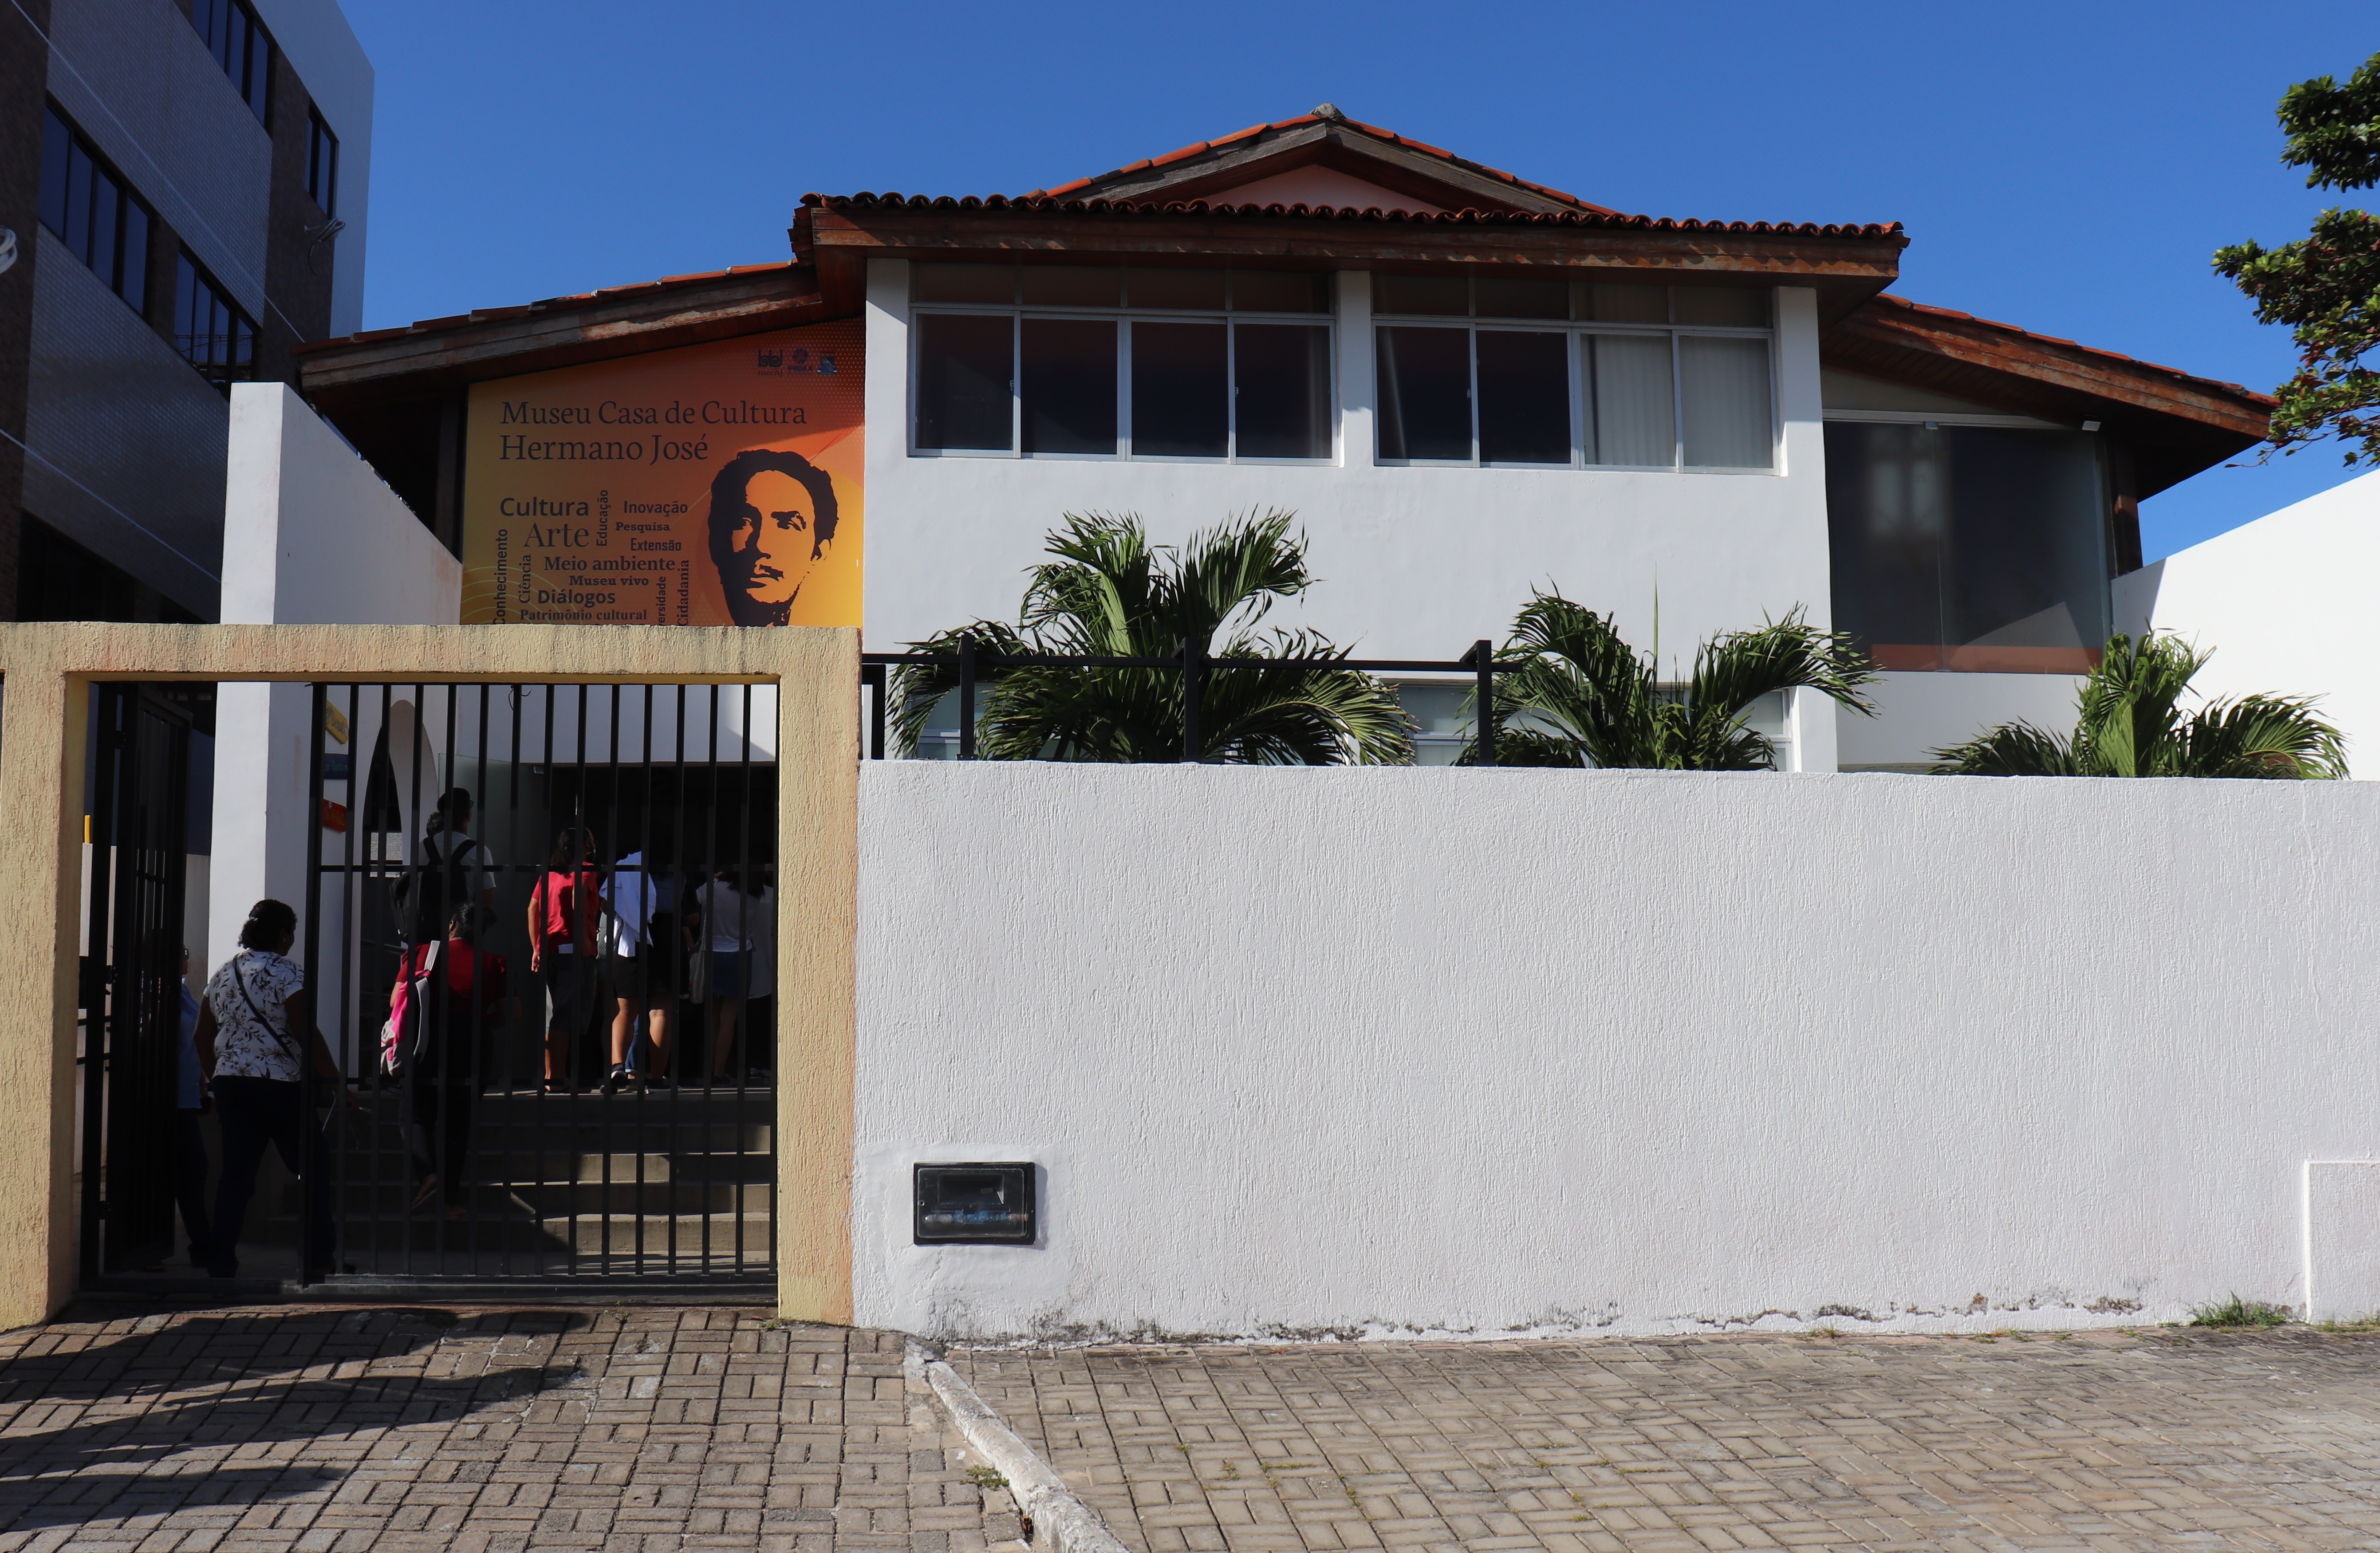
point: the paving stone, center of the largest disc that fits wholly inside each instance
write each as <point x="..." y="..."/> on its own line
<point x="2098" y="1442"/>
<point x="330" y="1429"/>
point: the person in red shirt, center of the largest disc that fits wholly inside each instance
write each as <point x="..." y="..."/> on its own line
<point x="562" y="907"/>
<point x="435" y="1105"/>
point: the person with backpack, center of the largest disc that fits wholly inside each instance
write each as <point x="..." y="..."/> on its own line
<point x="449" y="996"/>
<point x="563" y="908"/>
<point x="449" y="869"/>
<point x="254" y="1030"/>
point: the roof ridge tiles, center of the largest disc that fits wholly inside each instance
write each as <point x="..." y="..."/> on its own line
<point x="1593" y="216"/>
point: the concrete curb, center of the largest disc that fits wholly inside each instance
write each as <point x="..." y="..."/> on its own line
<point x="1062" y="1522"/>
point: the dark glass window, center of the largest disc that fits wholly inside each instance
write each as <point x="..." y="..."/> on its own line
<point x="1973" y="548"/>
<point x="1422" y="296"/>
<point x="321" y="163"/>
<point x="965" y="364"/>
<point x="1185" y="387"/>
<point x="1181" y="389"/>
<point x="241" y="46"/>
<point x="1069" y="399"/>
<point x="1282" y="382"/>
<point x="58" y="579"/>
<point x="209" y="328"/>
<point x="1524" y="397"/>
<point x="101" y="220"/>
<point x="1425" y="393"/>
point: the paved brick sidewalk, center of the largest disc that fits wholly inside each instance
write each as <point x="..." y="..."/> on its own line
<point x="634" y="1429"/>
<point x="2152" y="1439"/>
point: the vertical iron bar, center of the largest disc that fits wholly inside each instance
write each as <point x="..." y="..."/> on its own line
<point x="711" y="998"/>
<point x="681" y="1010"/>
<point x="531" y="996"/>
<point x="641" y="1025"/>
<point x="417" y="751"/>
<point x="1482" y="720"/>
<point x="351" y="931"/>
<point x="384" y="1095"/>
<point x="967" y="695"/>
<point x="475" y="1243"/>
<point x="880" y="680"/>
<point x="747" y="875"/>
<point x="1193" y="692"/>
<point x="311" y="1145"/>
<point x="579" y="1036"/>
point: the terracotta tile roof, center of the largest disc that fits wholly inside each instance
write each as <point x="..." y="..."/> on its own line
<point x="492" y="315"/>
<point x="1886" y="299"/>
<point x="1391" y="136"/>
<point x="1586" y="216"/>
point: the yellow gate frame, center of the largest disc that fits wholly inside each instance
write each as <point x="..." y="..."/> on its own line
<point x="48" y="670"/>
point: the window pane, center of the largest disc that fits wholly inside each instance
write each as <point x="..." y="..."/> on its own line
<point x="1425" y="393"/>
<point x="1634" y="418"/>
<point x="1188" y="290"/>
<point x="1073" y="287"/>
<point x="1725" y="384"/>
<point x="1524" y="397"/>
<point x="1264" y="291"/>
<point x="962" y="283"/>
<point x="1181" y="393"/>
<point x="965" y="369"/>
<point x="186" y="307"/>
<point x="1070" y="385"/>
<point x="1719" y="305"/>
<point x="106" y="204"/>
<point x="78" y="174"/>
<point x="1427" y="296"/>
<point x="1977" y="549"/>
<point x="133" y="283"/>
<point x="57" y="143"/>
<point x="1283" y="390"/>
<point x="1627" y="304"/>
<point x="1508" y="298"/>
<point x="256" y="85"/>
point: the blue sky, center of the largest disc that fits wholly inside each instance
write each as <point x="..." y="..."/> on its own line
<point x="2069" y="168"/>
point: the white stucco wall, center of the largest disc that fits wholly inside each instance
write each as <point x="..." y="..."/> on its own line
<point x="1919" y="713"/>
<point x="1414" y="562"/>
<point x="1472" y="1052"/>
<point x="2284" y="602"/>
<point x="312" y="536"/>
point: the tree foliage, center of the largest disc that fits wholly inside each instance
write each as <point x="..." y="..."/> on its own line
<point x="2325" y="286"/>
<point x="1111" y="594"/>
<point x="1577" y="694"/>
<point x="2130" y="724"/>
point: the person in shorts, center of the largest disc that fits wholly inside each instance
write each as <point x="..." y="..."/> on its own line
<point x="563" y="908"/>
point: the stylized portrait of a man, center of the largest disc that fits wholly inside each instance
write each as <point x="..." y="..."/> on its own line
<point x="772" y="518"/>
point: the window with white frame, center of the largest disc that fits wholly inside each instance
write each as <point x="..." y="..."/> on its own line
<point x="1082" y="362"/>
<point x="1560" y="373"/>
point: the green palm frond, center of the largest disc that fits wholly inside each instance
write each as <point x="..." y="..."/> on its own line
<point x="1111" y="594"/>
<point x="2262" y="736"/>
<point x="2129" y="723"/>
<point x="2010" y="749"/>
<point x="1577" y="693"/>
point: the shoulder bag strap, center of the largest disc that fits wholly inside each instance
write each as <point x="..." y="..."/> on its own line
<point x="269" y="1028"/>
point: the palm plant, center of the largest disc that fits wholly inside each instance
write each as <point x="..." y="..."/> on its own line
<point x="2130" y="724"/>
<point x="1112" y="594"/>
<point x="1577" y="694"/>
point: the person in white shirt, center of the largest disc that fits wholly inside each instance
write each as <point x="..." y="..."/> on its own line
<point x="640" y="981"/>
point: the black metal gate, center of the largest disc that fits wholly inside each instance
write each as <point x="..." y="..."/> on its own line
<point x="609" y="1114"/>
<point x="131" y="1001"/>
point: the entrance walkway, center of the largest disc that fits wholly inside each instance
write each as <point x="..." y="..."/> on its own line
<point x="2152" y="1439"/>
<point x="648" y="1430"/>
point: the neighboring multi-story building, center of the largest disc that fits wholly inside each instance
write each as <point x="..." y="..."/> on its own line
<point x="1467" y="385"/>
<point x="182" y="185"/>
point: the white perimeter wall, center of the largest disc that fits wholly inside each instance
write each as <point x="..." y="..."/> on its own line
<point x="1457" y="1050"/>
<point x="2286" y="604"/>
